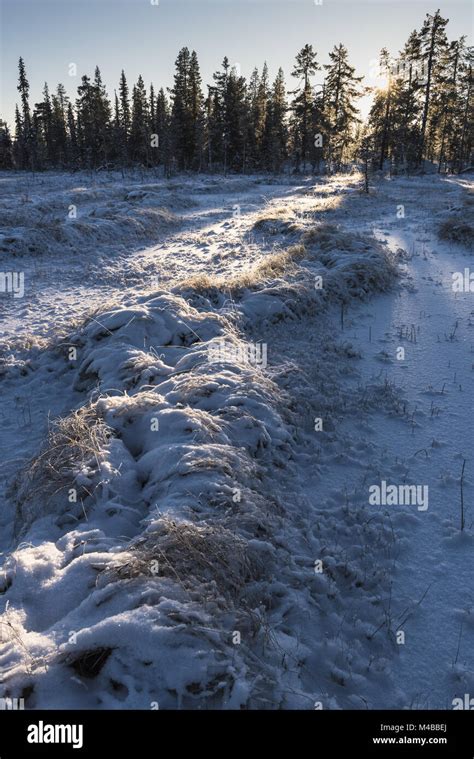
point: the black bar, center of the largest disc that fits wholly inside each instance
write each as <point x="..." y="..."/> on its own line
<point x="342" y="733"/>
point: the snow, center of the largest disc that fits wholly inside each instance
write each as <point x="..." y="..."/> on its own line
<point x="178" y="529"/>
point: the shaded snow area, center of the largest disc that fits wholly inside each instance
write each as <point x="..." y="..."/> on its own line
<point x="236" y="450"/>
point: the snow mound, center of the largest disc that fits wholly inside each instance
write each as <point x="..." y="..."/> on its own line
<point x="56" y="214"/>
<point x="328" y="266"/>
<point x="456" y="229"/>
<point x="151" y="523"/>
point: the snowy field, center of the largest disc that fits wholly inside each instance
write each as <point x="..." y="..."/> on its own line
<point x="236" y="449"/>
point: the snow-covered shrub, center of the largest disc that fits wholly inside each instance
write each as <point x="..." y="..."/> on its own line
<point x="457" y="230"/>
<point x="200" y="557"/>
<point x="70" y="459"/>
<point x="276" y="220"/>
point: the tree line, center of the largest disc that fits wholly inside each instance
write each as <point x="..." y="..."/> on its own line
<point x="424" y="112"/>
<point x="426" y="109"/>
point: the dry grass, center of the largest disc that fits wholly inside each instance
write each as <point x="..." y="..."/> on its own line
<point x="88" y="663"/>
<point x="271" y="267"/>
<point x="193" y="555"/>
<point x="322" y="234"/>
<point x="24" y="342"/>
<point x="276" y="220"/>
<point x="74" y="443"/>
<point x="456" y="230"/>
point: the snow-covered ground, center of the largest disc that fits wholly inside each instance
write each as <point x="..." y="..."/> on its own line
<point x="204" y="383"/>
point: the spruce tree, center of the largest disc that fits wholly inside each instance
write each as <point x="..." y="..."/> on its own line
<point x="217" y="117"/>
<point x="276" y="139"/>
<point x="252" y="118"/>
<point x="462" y="141"/>
<point x="125" y="116"/>
<point x="181" y="118"/>
<point x="163" y="126"/>
<point x="24" y="124"/>
<point x="73" y="148"/>
<point x="302" y="106"/>
<point x="60" y="102"/>
<point x="342" y="88"/>
<point x="433" y="44"/>
<point x="187" y="113"/>
<point x="139" y="131"/>
<point x="196" y="106"/>
<point x="101" y="121"/>
<point x="6" y="147"/>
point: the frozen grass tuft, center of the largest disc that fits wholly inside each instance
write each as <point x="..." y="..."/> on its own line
<point x="276" y="220"/>
<point x="75" y="446"/>
<point x="458" y="231"/>
<point x="194" y="555"/>
<point x="271" y="267"/>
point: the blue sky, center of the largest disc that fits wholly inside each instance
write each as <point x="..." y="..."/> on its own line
<point x="145" y="38"/>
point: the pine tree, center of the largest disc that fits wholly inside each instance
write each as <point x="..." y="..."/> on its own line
<point x="387" y="114"/>
<point x="73" y="151"/>
<point x="6" y="147"/>
<point x="261" y="113"/>
<point x="407" y="108"/>
<point x="276" y="138"/>
<point x="140" y="131"/>
<point x="180" y="114"/>
<point x="196" y="107"/>
<point x="302" y="106"/>
<point x="101" y="120"/>
<point x="85" y="123"/>
<point x="235" y="122"/>
<point x="19" y="151"/>
<point x="119" y="151"/>
<point x="251" y="108"/>
<point x="125" y="116"/>
<point x="24" y="124"/>
<point x="216" y="117"/>
<point x="433" y="44"/>
<point x="60" y="102"/>
<point x="227" y="133"/>
<point x="341" y="90"/>
<point x="187" y="114"/>
<point x="43" y="121"/>
<point x="462" y="141"/>
<point x="163" y="126"/>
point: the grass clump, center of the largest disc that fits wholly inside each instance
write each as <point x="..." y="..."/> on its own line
<point x="458" y="231"/>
